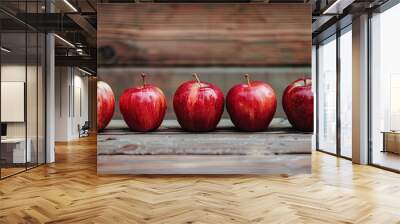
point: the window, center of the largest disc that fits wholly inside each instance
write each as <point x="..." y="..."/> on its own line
<point x="385" y="89"/>
<point x="331" y="135"/>
<point x="327" y="95"/>
<point x="346" y="92"/>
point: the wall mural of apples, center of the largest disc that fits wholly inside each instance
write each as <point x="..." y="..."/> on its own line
<point x="143" y="107"/>
<point x="198" y="105"/>
<point x="298" y="104"/>
<point x="197" y="112"/>
<point x="105" y="105"/>
<point x="251" y="105"/>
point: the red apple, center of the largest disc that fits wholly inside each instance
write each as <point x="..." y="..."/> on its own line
<point x="143" y="107"/>
<point x="105" y="105"/>
<point x="251" y="106"/>
<point x="298" y="104"/>
<point x="198" y="105"/>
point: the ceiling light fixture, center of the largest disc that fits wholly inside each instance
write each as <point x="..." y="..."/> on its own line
<point x="84" y="71"/>
<point x="5" y="50"/>
<point x="337" y="7"/>
<point x="65" y="41"/>
<point x="70" y="5"/>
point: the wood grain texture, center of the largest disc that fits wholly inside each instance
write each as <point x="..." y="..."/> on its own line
<point x="204" y="34"/>
<point x="170" y="150"/>
<point x="170" y="139"/>
<point x="287" y="164"/>
<point x="70" y="191"/>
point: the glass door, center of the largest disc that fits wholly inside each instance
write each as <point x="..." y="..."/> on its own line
<point x="345" y="94"/>
<point x="327" y="95"/>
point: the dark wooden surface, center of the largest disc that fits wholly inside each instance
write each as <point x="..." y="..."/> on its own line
<point x="170" y="139"/>
<point x="204" y="34"/>
<point x="170" y="150"/>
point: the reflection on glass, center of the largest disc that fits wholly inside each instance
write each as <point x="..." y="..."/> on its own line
<point x="385" y="84"/>
<point x="327" y="96"/>
<point x="346" y="94"/>
<point x="22" y="90"/>
<point x="14" y="153"/>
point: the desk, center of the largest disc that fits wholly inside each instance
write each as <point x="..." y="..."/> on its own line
<point x="13" y="150"/>
<point x="391" y="141"/>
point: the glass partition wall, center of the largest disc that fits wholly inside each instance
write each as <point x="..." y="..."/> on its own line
<point x="345" y="93"/>
<point x="334" y="105"/>
<point x="22" y="94"/>
<point x="385" y="88"/>
<point x="334" y="84"/>
<point x="13" y="122"/>
<point x="327" y="95"/>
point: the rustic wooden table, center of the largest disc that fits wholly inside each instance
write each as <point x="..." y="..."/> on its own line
<point x="279" y="150"/>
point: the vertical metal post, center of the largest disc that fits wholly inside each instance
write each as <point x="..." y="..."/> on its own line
<point x="26" y="87"/>
<point x="338" y="77"/>
<point x="369" y="95"/>
<point x="317" y="96"/>
<point x="37" y="90"/>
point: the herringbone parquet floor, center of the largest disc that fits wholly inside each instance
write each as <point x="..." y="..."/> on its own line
<point x="69" y="191"/>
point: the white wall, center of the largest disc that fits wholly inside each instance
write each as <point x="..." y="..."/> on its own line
<point x="71" y="102"/>
<point x="80" y="105"/>
<point x="61" y="103"/>
<point x="33" y="126"/>
<point x="16" y="73"/>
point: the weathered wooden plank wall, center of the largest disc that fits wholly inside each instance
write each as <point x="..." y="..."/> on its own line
<point x="204" y="34"/>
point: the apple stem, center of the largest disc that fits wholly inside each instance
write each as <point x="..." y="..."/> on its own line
<point x="306" y="81"/>
<point x="197" y="78"/>
<point x="144" y="78"/>
<point x="247" y="76"/>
